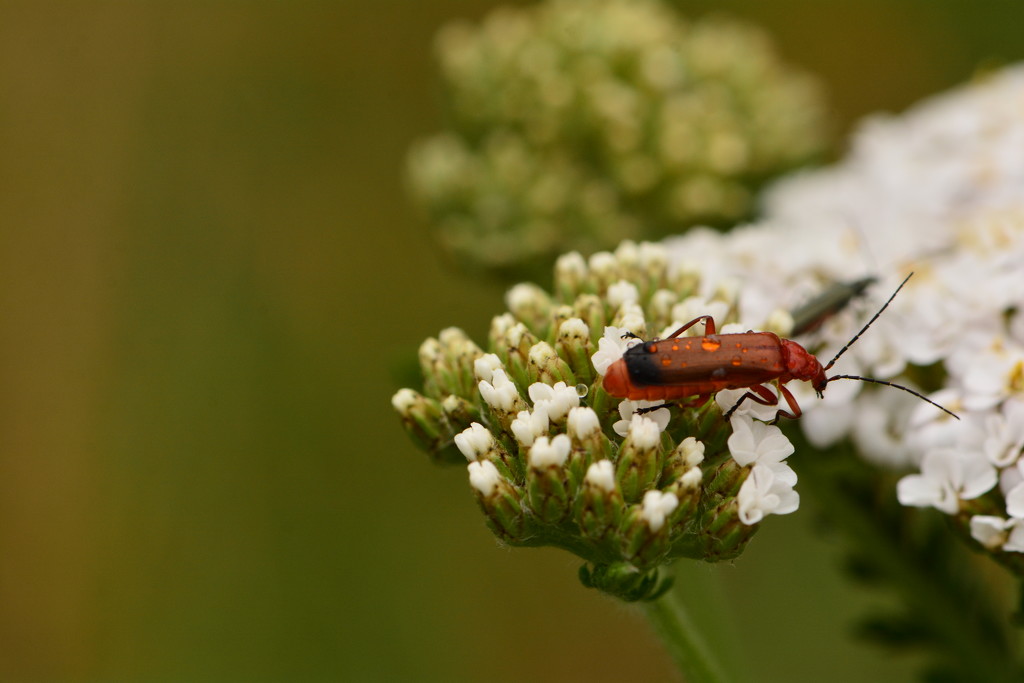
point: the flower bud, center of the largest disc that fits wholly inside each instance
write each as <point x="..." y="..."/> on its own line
<point x="590" y="309"/>
<point x="589" y="444"/>
<point x="499" y="500"/>
<point x="571" y="276"/>
<point x="621" y="293"/>
<point x="459" y="412"/>
<point x="599" y="507"/>
<point x="513" y="345"/>
<point x="545" y="366"/>
<point x="631" y="317"/>
<point x="639" y="463"/>
<point x="423" y="421"/>
<point x="485" y="365"/>
<point x="573" y="345"/>
<point x="447" y="363"/>
<point x="528" y="426"/>
<point x="546" y="480"/>
<point x="503" y="398"/>
<point x="559" y="315"/>
<point x="531" y="305"/>
<point x="604" y="270"/>
<point x="475" y="442"/>
<point x="724" y="535"/>
<point x="646" y="535"/>
<point x="660" y="308"/>
<point x="557" y="400"/>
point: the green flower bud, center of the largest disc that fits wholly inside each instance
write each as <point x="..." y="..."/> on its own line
<point x="590" y="309"/>
<point x="546" y="478"/>
<point x="448" y="363"/>
<point x="604" y="270"/>
<point x="560" y="314"/>
<point x="478" y="444"/>
<point x="573" y="345"/>
<point x="686" y="456"/>
<point x="584" y="428"/>
<point x="459" y="412"/>
<point x="571" y="276"/>
<point x="546" y="366"/>
<point x="499" y="500"/>
<point x="660" y="308"/>
<point x="600" y="507"/>
<point x="513" y="347"/>
<point x="645" y="534"/>
<point x="424" y="422"/>
<point x="531" y="305"/>
<point x="639" y="464"/>
<point x="503" y="399"/>
<point x="725" y="536"/>
<point x="688" y="490"/>
<point x="726" y="479"/>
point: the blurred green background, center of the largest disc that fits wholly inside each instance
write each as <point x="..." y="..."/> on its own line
<point x="211" y="285"/>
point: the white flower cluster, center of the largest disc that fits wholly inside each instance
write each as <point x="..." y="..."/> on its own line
<point x="938" y="191"/>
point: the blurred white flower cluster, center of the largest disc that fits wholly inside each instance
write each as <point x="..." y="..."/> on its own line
<point x="575" y="124"/>
<point x="938" y="190"/>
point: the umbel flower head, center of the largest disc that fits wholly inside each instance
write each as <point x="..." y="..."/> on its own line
<point x="554" y="460"/>
<point x="575" y="124"/>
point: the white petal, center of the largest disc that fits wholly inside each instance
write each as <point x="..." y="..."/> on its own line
<point x="602" y="475"/>
<point x="989" y="531"/>
<point x="484" y="477"/>
<point x="1015" y="501"/>
<point x="1015" y="543"/>
<point x="915" y="490"/>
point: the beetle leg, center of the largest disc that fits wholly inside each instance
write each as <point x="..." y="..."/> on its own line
<point x="791" y="401"/>
<point x="758" y="394"/>
<point x="694" y="402"/>
<point x="709" y="326"/>
<point x="629" y="335"/>
<point x="761" y="394"/>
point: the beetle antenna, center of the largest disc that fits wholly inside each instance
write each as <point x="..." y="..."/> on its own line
<point x="896" y="386"/>
<point x="864" y="329"/>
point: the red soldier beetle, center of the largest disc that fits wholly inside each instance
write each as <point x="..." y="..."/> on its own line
<point x="680" y="367"/>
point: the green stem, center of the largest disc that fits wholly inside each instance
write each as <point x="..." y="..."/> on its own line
<point x="684" y="641"/>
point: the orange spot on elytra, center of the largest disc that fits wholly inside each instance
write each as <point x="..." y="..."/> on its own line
<point x="736" y="360"/>
<point x="666" y="361"/>
<point x="710" y="344"/>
